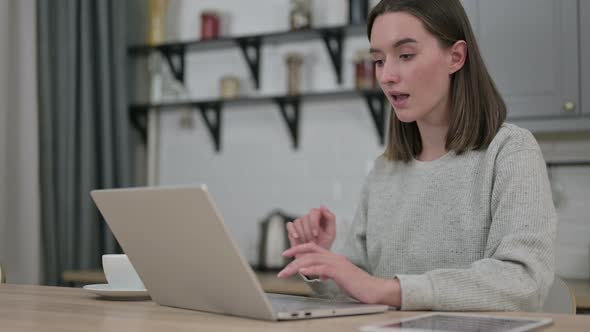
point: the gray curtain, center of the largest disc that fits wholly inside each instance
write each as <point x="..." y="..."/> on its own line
<point x="85" y="140"/>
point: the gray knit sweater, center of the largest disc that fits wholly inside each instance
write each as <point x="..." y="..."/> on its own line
<point x="474" y="231"/>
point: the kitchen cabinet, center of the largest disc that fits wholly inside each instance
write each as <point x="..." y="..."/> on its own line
<point x="531" y="48"/>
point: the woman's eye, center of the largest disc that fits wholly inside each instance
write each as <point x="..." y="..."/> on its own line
<point x="378" y="63"/>
<point x="406" y="56"/>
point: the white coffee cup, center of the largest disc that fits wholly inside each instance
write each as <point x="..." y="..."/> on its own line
<point x="120" y="273"/>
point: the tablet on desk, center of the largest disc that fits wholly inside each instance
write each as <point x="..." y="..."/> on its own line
<point x="459" y="322"/>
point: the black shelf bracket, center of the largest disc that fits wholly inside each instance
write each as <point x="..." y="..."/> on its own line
<point x="377" y="108"/>
<point x="250" y="47"/>
<point x="211" y="110"/>
<point x="290" y="110"/>
<point x="175" y="56"/>
<point x="333" y="39"/>
<point x="138" y="118"/>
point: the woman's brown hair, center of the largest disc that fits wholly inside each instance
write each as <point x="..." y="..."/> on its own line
<point x="477" y="108"/>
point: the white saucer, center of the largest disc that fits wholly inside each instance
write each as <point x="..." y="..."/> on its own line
<point x="106" y="291"/>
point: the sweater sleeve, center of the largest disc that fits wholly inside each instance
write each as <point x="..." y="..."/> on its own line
<point x="354" y="248"/>
<point x="518" y="265"/>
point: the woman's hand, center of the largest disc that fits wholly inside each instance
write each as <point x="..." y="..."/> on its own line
<point x="318" y="226"/>
<point x="317" y="261"/>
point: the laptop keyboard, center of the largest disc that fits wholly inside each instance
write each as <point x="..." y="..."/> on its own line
<point x="290" y="303"/>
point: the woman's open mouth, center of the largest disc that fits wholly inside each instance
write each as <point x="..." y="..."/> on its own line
<point x="399" y="100"/>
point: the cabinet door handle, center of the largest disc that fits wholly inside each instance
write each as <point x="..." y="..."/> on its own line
<point x="569" y="106"/>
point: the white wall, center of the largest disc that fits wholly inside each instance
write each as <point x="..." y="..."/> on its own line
<point x="20" y="234"/>
<point x="258" y="170"/>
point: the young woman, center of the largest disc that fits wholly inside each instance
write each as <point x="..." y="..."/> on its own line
<point x="457" y="213"/>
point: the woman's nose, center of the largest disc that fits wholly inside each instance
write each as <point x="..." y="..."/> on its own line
<point x="389" y="74"/>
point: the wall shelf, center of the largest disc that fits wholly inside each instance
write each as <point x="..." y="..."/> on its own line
<point x="569" y="163"/>
<point x="289" y="106"/>
<point x="175" y="52"/>
<point x="211" y="110"/>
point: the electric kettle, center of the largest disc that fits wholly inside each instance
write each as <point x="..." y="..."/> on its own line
<point x="274" y="240"/>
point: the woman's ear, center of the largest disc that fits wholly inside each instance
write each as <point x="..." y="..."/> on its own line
<point x="458" y="56"/>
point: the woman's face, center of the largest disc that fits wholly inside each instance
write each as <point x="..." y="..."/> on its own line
<point x="412" y="68"/>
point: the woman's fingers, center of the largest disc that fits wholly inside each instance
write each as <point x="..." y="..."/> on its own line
<point x="292" y="234"/>
<point x="298" y="224"/>
<point x="305" y="248"/>
<point x="291" y="230"/>
<point x="318" y="271"/>
<point x="328" y="221"/>
<point x="326" y="213"/>
<point x="306" y="223"/>
<point x="315" y="215"/>
<point x="317" y="224"/>
<point x="303" y="262"/>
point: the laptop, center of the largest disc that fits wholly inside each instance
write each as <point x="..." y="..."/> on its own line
<point x="186" y="257"/>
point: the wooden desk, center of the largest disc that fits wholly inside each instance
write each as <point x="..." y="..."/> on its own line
<point x="270" y="283"/>
<point x="42" y="308"/>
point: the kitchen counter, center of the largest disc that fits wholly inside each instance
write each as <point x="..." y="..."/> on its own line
<point x="581" y="290"/>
